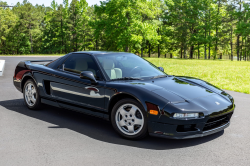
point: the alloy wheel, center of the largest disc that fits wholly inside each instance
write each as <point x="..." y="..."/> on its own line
<point x="129" y="119"/>
<point x="30" y="94"/>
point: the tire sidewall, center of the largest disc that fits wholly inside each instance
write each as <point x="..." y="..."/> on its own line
<point x="143" y="133"/>
<point x="38" y="100"/>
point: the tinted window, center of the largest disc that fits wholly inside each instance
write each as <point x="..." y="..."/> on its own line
<point x="77" y="63"/>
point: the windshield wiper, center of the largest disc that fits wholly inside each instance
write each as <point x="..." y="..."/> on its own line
<point x="126" y="78"/>
<point x="159" y="76"/>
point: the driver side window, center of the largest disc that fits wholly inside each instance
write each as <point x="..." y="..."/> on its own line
<point x="78" y="63"/>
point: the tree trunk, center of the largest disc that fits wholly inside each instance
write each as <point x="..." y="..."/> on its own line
<point x="205" y="49"/>
<point x="171" y="55"/>
<point x="159" y="53"/>
<point x="31" y="41"/>
<point x="209" y="37"/>
<point x="216" y="45"/>
<point x="149" y="49"/>
<point x="181" y="52"/>
<point x="245" y="50"/>
<point x="232" y="57"/>
<point x="198" y="50"/>
<point x="61" y="36"/>
<point x="241" y="48"/>
<point x="205" y="45"/>
<point x="238" y="47"/>
<point x="238" y="40"/>
<point x="76" y="43"/>
<point x="185" y="48"/>
<point x="96" y="45"/>
<point x="126" y="49"/>
<point x="209" y="51"/>
<point x="84" y="42"/>
<point x="191" y="52"/>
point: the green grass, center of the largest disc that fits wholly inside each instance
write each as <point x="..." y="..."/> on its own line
<point x="234" y="76"/>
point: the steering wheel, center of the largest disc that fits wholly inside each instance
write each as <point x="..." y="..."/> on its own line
<point x="134" y="69"/>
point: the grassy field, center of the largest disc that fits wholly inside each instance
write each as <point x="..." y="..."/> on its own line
<point x="234" y="76"/>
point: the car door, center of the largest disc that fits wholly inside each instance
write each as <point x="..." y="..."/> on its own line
<point x="68" y="88"/>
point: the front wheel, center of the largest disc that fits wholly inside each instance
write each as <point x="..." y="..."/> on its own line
<point x="31" y="95"/>
<point x="129" y="119"/>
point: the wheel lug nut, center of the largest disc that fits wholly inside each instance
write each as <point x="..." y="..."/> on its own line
<point x="129" y="124"/>
<point x="125" y="120"/>
<point x="133" y="120"/>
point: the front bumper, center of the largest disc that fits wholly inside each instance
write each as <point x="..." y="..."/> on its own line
<point x="202" y="134"/>
<point x="193" y="128"/>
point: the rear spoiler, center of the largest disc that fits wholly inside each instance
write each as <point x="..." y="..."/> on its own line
<point x="33" y="61"/>
<point x="28" y="62"/>
<point x="38" y="61"/>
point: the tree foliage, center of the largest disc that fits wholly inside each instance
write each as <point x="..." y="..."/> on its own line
<point x="206" y="29"/>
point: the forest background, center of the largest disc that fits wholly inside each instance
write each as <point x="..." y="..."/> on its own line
<point x="201" y="29"/>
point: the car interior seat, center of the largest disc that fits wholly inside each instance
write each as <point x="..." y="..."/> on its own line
<point x="109" y="67"/>
<point x="82" y="65"/>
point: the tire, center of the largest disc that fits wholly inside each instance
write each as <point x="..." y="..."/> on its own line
<point x="129" y="119"/>
<point x="31" y="95"/>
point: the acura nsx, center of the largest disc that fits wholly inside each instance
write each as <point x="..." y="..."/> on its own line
<point x="135" y="95"/>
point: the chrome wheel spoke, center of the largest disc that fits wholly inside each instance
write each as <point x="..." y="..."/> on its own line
<point x="33" y="100"/>
<point x="138" y="121"/>
<point x="131" y="129"/>
<point x="29" y="87"/>
<point x="133" y="110"/>
<point x="33" y="91"/>
<point x="27" y="98"/>
<point x="122" y="111"/>
<point x="122" y="123"/>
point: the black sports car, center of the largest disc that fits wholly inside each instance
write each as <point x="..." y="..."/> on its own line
<point x="136" y="96"/>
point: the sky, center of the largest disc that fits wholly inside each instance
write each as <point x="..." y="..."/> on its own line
<point x="48" y="2"/>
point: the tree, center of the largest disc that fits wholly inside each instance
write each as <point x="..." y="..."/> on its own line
<point x="128" y="24"/>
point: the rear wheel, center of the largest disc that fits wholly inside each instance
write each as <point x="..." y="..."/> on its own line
<point x="31" y="95"/>
<point x="129" y="119"/>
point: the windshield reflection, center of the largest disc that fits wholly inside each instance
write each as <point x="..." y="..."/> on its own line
<point x="126" y="65"/>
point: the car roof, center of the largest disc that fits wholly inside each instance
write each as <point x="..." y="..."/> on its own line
<point x="100" y="52"/>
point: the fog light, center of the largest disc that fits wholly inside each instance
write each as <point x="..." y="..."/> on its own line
<point x="186" y="115"/>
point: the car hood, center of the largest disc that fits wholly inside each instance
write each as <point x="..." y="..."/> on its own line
<point x="180" y="89"/>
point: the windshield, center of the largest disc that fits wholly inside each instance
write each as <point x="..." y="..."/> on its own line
<point x="127" y="66"/>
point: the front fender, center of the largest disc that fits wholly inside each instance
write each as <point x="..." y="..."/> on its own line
<point x="140" y="94"/>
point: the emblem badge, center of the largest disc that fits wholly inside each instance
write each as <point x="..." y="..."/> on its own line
<point x="217" y="103"/>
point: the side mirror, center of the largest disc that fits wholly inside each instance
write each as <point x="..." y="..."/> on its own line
<point x="88" y="75"/>
<point x="161" y="69"/>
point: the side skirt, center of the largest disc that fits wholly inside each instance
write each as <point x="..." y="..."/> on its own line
<point x="75" y="108"/>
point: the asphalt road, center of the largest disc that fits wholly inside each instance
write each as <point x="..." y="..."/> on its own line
<point x="55" y="136"/>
